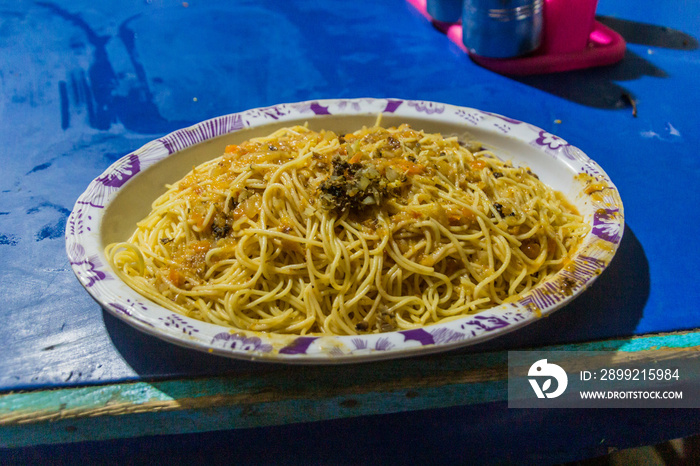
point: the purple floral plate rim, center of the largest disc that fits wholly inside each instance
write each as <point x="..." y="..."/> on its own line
<point x="603" y="209"/>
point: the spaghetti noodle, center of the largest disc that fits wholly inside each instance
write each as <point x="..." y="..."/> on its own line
<point x="305" y="232"/>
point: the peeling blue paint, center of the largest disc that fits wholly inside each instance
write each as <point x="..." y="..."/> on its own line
<point x="39" y="167"/>
<point x="101" y="90"/>
<point x="10" y="240"/>
<point x="52" y="230"/>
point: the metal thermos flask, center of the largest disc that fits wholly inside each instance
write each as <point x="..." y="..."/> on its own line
<point x="502" y="28"/>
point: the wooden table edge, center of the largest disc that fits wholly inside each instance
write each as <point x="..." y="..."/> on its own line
<point x="291" y="394"/>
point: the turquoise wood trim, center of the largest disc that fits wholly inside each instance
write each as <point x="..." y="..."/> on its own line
<point x="243" y="415"/>
<point x="286" y="394"/>
<point x="641" y="343"/>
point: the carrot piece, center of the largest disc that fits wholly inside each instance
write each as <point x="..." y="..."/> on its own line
<point x="477" y="165"/>
<point x="356" y="158"/>
<point x="175" y="278"/>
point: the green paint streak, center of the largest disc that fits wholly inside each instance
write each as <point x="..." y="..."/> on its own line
<point x="669" y="341"/>
<point x="685" y="340"/>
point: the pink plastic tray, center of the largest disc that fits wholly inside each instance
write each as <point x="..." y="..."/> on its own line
<point x="604" y="47"/>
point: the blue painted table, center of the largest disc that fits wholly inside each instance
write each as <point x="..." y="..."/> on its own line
<point x="84" y="83"/>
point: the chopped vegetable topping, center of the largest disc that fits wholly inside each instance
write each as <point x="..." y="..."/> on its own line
<point x="367" y="171"/>
<point x="356" y="186"/>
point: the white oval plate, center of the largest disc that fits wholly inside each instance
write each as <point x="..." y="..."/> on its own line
<point x="112" y="204"/>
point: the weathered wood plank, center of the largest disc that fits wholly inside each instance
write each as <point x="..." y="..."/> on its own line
<point x="289" y="394"/>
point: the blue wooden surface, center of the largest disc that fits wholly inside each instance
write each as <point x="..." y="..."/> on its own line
<point x="84" y="83"/>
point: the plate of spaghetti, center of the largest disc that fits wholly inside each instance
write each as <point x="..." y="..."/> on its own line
<point x="344" y="230"/>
